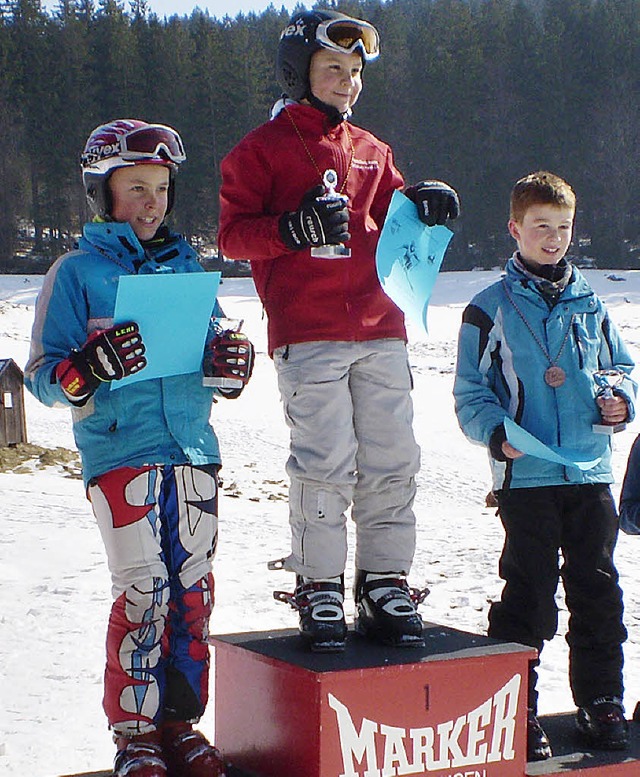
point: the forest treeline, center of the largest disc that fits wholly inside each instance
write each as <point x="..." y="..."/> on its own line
<point x="474" y="92"/>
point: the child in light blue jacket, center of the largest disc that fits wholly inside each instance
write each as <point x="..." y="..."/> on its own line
<point x="529" y="346"/>
<point x="150" y="456"/>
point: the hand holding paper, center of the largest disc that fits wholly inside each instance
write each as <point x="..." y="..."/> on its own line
<point x="408" y="258"/>
<point x="525" y="442"/>
<point x="436" y="201"/>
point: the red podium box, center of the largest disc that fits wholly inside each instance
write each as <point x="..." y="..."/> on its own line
<point x="455" y="708"/>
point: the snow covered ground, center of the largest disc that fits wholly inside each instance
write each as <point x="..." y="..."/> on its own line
<point x="54" y="583"/>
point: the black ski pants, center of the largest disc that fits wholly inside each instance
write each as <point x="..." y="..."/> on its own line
<point x="578" y="524"/>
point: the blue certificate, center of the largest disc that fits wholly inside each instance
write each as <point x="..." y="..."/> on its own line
<point x="173" y="311"/>
<point x="408" y="258"/>
<point x="527" y="443"/>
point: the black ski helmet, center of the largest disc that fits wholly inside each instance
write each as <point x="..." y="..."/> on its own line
<point x="123" y="143"/>
<point x="309" y="31"/>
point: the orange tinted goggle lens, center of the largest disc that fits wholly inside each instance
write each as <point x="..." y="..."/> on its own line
<point x="348" y="36"/>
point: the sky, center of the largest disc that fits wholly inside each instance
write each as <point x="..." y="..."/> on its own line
<point x="55" y="586"/>
<point x="218" y="8"/>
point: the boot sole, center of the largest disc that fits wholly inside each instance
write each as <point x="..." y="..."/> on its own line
<point x="599" y="744"/>
<point x="398" y="640"/>
<point x="326" y="647"/>
<point x="537" y="757"/>
<point x="596" y="744"/>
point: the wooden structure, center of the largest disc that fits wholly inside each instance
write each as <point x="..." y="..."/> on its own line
<point x="13" y="424"/>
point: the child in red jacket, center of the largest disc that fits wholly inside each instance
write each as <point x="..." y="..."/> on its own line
<point x="338" y="342"/>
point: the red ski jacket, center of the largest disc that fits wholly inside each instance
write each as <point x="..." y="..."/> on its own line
<point x="308" y="299"/>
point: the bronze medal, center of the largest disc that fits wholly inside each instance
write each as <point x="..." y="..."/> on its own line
<point x="554" y="377"/>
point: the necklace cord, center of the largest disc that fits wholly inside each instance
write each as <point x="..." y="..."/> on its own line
<point x="311" y="157"/>
<point x="551" y="361"/>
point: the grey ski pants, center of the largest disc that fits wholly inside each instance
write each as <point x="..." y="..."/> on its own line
<point x="348" y="406"/>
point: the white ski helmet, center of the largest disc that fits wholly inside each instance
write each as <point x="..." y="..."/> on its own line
<point x="122" y="143"/>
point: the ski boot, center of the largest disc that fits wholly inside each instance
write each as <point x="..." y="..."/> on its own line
<point x="188" y="752"/>
<point x="603" y="725"/>
<point x="538" y="747"/>
<point x="386" y="609"/>
<point x="139" y="756"/>
<point x="320" y="608"/>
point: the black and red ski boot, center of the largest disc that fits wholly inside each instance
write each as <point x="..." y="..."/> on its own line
<point x="139" y="756"/>
<point x="320" y="608"/>
<point x="189" y="753"/>
<point x="386" y="609"/>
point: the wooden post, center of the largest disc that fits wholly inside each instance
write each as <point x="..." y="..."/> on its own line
<point x="13" y="424"/>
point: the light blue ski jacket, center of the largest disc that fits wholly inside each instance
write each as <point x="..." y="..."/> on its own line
<point x="157" y="421"/>
<point x="500" y="373"/>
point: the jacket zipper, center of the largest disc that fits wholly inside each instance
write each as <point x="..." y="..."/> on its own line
<point x="579" y="347"/>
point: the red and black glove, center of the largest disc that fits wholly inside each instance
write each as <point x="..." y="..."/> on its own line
<point x="229" y="362"/>
<point x="108" y="354"/>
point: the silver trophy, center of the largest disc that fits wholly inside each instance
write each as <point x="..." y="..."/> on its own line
<point x="222" y="326"/>
<point x="337" y="251"/>
<point x="607" y="380"/>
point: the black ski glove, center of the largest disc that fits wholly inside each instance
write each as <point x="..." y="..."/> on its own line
<point x="108" y="354"/>
<point x="436" y="201"/>
<point x="317" y="222"/>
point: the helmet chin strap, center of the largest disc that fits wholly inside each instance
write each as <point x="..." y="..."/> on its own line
<point x="331" y="112"/>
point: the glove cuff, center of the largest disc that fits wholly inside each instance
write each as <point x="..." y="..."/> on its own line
<point x="289" y="235"/>
<point x="410" y="192"/>
<point x="76" y="379"/>
<point x="498" y="436"/>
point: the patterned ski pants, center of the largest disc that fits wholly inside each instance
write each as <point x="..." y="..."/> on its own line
<point x="159" y="526"/>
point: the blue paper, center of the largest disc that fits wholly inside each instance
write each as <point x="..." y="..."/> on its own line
<point x="173" y="311"/>
<point x="527" y="443"/>
<point x="408" y="258"/>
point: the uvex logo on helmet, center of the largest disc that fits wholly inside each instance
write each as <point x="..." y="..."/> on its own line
<point x="294" y="29"/>
<point x="98" y="152"/>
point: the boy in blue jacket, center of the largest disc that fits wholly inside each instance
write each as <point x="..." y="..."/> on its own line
<point x="150" y="457"/>
<point x="528" y="349"/>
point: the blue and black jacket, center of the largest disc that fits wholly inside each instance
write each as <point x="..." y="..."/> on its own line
<point x="506" y="330"/>
<point x="156" y="421"/>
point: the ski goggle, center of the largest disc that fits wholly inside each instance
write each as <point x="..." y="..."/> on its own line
<point x="349" y="35"/>
<point x="149" y="142"/>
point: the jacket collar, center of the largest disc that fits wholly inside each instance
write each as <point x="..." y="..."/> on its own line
<point x="520" y="281"/>
<point x="115" y="240"/>
<point x="309" y="119"/>
<point x="118" y="242"/>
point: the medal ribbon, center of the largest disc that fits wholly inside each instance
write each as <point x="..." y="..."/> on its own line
<point x="312" y="158"/>
<point x="552" y="362"/>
